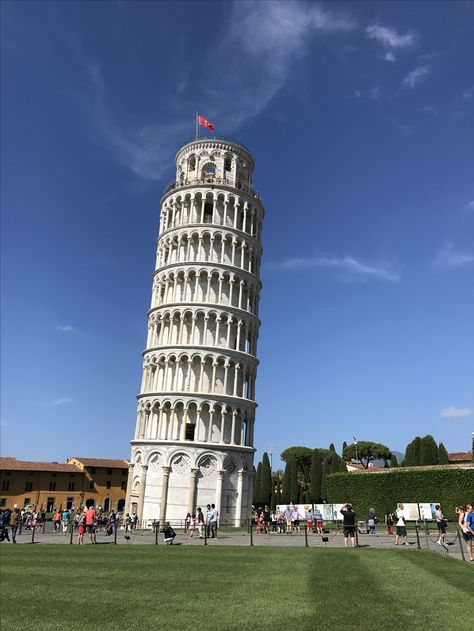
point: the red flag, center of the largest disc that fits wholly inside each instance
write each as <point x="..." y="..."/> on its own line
<point x="207" y="124"/>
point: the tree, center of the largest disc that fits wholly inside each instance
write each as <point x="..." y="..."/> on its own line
<point x="394" y="461"/>
<point x="334" y="466"/>
<point x="344" y="445"/>
<point x="442" y="454"/>
<point x="428" y="450"/>
<point x="257" y="484"/>
<point x="416" y="451"/>
<point x="332" y="448"/>
<point x="367" y="451"/>
<point x="303" y="460"/>
<point x="316" y="476"/>
<point x="286" y="494"/>
<point x="266" y="481"/>
<point x="294" y="486"/>
<point x="324" y="494"/>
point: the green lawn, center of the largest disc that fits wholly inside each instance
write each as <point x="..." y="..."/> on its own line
<point x="178" y="587"/>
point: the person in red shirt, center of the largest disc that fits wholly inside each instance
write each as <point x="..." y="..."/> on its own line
<point x="56" y="520"/>
<point x="90" y="523"/>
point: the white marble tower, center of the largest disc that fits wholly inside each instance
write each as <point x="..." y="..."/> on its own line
<point x="193" y="441"/>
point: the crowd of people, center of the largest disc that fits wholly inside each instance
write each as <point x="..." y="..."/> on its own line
<point x="204" y="524"/>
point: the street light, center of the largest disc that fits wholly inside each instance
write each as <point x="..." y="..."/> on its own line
<point x="355" y="442"/>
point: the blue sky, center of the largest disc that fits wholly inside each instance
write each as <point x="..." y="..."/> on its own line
<point x="360" y="120"/>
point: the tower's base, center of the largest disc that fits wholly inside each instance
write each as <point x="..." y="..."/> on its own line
<point x="169" y="480"/>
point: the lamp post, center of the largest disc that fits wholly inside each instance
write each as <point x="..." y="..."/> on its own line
<point x="355" y="443"/>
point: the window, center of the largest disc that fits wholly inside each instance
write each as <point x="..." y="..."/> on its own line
<point x="54" y="475"/>
<point x="109" y="471"/>
<point x="71" y="486"/>
<point x="27" y="501"/>
<point x="91" y="484"/>
<point x="124" y="471"/>
<point x="228" y="164"/>
<point x="69" y="503"/>
<point x="192" y="162"/>
<point x="50" y="505"/>
<point x="123" y="485"/>
<point x="28" y="487"/>
<point x="108" y="484"/>
<point x="208" y="212"/>
<point x="5" y="485"/>
<point x="52" y="486"/>
<point x="190" y="427"/>
<point x="92" y="469"/>
<point x="3" y="501"/>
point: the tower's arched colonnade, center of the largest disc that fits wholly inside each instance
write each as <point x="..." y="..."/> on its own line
<point x="193" y="442"/>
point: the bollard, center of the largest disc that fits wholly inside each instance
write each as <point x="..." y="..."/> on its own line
<point x="251" y="535"/>
<point x="248" y="526"/>
<point x="357" y="537"/>
<point x="71" y="535"/>
<point x="115" y="533"/>
<point x="44" y="525"/>
<point x="33" y="534"/>
<point x="205" y="534"/>
<point x="417" y="537"/>
<point x="306" y="536"/>
<point x="157" y="531"/>
<point x="461" y="546"/>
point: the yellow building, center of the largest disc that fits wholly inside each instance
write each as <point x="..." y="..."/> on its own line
<point x="105" y="481"/>
<point x="51" y="485"/>
<point x="40" y="485"/>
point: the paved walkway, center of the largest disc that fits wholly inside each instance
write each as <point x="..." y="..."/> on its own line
<point x="243" y="538"/>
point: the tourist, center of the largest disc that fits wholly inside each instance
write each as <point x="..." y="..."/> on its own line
<point x="200" y="522"/>
<point x="348" y="523"/>
<point x="318" y="516"/>
<point x="466" y="529"/>
<point x="81" y="527"/>
<point x="288" y="513"/>
<point x="295" y="519"/>
<point x="266" y="516"/>
<point x="309" y="521"/>
<point x="90" y="523"/>
<point x="400" y="525"/>
<point x="191" y="525"/>
<point x="187" y="521"/>
<point x="65" y="517"/>
<point x="442" y="524"/>
<point x="213" y="521"/>
<point x="371" y="521"/>
<point x="169" y="533"/>
<point x="274" y="522"/>
<point x="56" y="520"/>
<point x="389" y="523"/>
<point x="281" y="522"/>
<point x="14" y="519"/>
<point x="133" y="521"/>
<point x="260" y="524"/>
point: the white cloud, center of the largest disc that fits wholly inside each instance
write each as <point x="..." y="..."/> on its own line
<point x="391" y="40"/>
<point x="65" y="328"/>
<point x="60" y="401"/>
<point x="449" y="258"/>
<point x="414" y="77"/>
<point x="469" y="205"/>
<point x="453" y="412"/>
<point x="250" y="63"/>
<point x="468" y="94"/>
<point x="351" y="268"/>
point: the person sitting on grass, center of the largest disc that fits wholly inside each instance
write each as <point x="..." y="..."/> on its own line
<point x="169" y="533"/>
<point x="348" y="523"/>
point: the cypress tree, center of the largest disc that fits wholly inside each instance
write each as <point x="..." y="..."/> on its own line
<point x="334" y="466"/>
<point x="266" y="481"/>
<point x="428" y="450"/>
<point x="417" y="452"/>
<point x="286" y="492"/>
<point x="316" y="476"/>
<point x="278" y="488"/>
<point x="332" y="448"/>
<point x="273" y="501"/>
<point x="393" y="461"/>
<point x="294" y="486"/>
<point x="408" y="459"/>
<point x="323" y="480"/>
<point x="442" y="454"/>
<point x="256" y="485"/>
<point x="344" y="445"/>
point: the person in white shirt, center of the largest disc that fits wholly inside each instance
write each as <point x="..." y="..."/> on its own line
<point x="441" y="523"/>
<point x="401" y="525"/>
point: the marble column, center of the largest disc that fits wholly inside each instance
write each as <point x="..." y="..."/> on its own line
<point x="192" y="490"/>
<point x="238" y="508"/>
<point x="220" y="480"/>
<point x="141" y="497"/>
<point x="164" y="494"/>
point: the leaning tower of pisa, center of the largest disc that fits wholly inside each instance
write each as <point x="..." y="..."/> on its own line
<point x="193" y="442"/>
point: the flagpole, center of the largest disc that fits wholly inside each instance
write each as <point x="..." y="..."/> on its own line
<point x="197" y="127"/>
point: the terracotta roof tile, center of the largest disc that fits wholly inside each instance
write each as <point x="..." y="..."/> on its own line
<point x="12" y="464"/>
<point x="99" y="462"/>
<point x="460" y="456"/>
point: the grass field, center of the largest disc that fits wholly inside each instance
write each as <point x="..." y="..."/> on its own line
<point x="175" y="587"/>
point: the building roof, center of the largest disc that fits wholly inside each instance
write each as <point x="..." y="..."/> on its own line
<point x="99" y="462"/>
<point x="12" y="464"/>
<point x="460" y="456"/>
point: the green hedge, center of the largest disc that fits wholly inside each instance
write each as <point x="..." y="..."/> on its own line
<point x="382" y="491"/>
